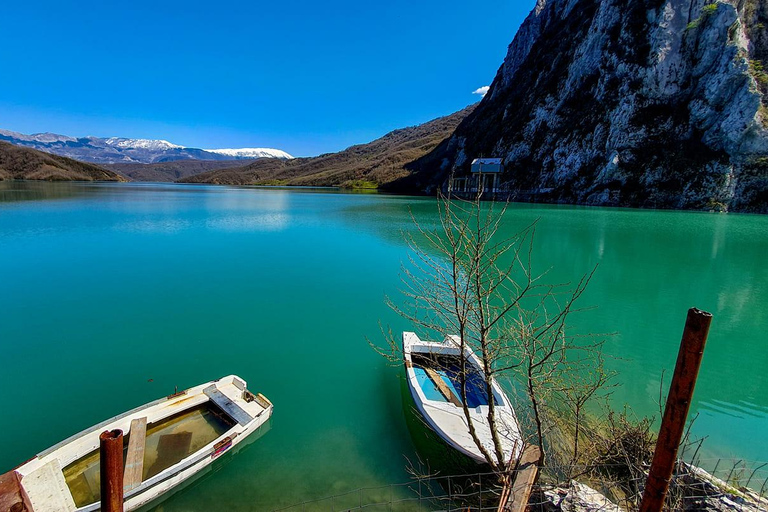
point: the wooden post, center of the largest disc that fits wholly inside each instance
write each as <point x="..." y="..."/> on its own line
<point x="517" y="491"/>
<point x="111" y="466"/>
<point x="676" y="410"/>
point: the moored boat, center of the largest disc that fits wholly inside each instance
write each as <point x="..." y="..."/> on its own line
<point x="165" y="443"/>
<point x="433" y="376"/>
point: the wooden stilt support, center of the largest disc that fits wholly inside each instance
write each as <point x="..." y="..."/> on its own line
<point x="676" y="411"/>
<point x="111" y="466"/>
<point x="517" y="490"/>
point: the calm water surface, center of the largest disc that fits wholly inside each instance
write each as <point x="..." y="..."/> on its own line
<point x="112" y="294"/>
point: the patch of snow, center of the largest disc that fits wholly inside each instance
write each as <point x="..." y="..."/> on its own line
<point x="48" y="137"/>
<point x="140" y="143"/>
<point x="252" y="153"/>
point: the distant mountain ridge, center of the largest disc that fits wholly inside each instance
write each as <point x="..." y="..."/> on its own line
<point x="114" y="150"/>
<point x="19" y="163"/>
<point x="380" y="163"/>
<point x="170" y="171"/>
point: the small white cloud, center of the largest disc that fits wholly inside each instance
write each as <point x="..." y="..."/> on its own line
<point x="482" y="91"/>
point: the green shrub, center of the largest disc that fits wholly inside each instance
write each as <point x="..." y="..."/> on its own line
<point x="360" y="184"/>
<point x="714" y="205"/>
<point x="758" y="165"/>
<point x="706" y="12"/>
<point x="271" y="183"/>
<point x="757" y="70"/>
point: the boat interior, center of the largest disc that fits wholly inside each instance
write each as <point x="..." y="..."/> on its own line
<point x="438" y="376"/>
<point x="166" y="442"/>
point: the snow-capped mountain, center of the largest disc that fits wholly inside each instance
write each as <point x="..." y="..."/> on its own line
<point x="252" y="153"/>
<point x="123" y="150"/>
<point x="156" y="145"/>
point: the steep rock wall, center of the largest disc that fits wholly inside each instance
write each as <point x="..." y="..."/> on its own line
<point x="645" y="103"/>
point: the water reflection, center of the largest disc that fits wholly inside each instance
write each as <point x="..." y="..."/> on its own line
<point x="15" y="191"/>
<point x="232" y="200"/>
<point x="264" y="222"/>
<point x="159" y="226"/>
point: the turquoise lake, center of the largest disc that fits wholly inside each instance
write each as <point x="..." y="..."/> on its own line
<point x="113" y="294"/>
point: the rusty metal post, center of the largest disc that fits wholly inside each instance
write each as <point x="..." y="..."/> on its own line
<point x="111" y="465"/>
<point x="676" y="410"/>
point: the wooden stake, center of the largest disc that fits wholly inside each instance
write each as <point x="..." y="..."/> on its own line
<point x="517" y="484"/>
<point x="526" y="475"/>
<point x="111" y="466"/>
<point x="676" y="411"/>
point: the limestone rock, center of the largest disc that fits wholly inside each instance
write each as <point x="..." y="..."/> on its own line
<point x="648" y="103"/>
<point x="579" y="497"/>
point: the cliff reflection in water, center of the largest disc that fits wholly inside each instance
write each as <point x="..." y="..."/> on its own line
<point x="16" y="190"/>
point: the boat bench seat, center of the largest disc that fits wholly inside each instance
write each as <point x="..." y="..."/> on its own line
<point x="134" y="461"/>
<point x="47" y="489"/>
<point x="227" y="405"/>
<point x="442" y="387"/>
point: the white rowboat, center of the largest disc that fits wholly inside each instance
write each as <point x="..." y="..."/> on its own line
<point x="166" y="442"/>
<point x="432" y="371"/>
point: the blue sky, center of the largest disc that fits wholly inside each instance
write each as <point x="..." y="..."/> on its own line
<point x="304" y="76"/>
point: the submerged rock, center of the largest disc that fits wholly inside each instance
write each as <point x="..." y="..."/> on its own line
<point x="579" y="497"/>
<point x="692" y="489"/>
<point x="699" y="490"/>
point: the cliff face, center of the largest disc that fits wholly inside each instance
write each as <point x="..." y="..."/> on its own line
<point x="627" y="102"/>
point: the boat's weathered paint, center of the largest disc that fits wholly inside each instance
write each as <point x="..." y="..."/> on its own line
<point x="448" y="420"/>
<point x="42" y="479"/>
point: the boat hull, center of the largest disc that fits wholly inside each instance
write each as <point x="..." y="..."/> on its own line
<point x="202" y="475"/>
<point x="183" y="435"/>
<point x="431" y="377"/>
<point x="436" y="456"/>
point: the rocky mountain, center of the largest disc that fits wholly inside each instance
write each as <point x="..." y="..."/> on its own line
<point x="121" y="150"/>
<point x="371" y="165"/>
<point x="648" y="103"/>
<point x="18" y="163"/>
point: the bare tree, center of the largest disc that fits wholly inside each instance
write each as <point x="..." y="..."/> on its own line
<point x="465" y="279"/>
<point x="576" y="386"/>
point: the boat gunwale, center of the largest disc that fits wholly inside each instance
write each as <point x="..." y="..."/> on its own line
<point x="438" y="430"/>
<point x="178" y="397"/>
<point x="98" y="426"/>
<point x="446" y="349"/>
<point x="498" y="393"/>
